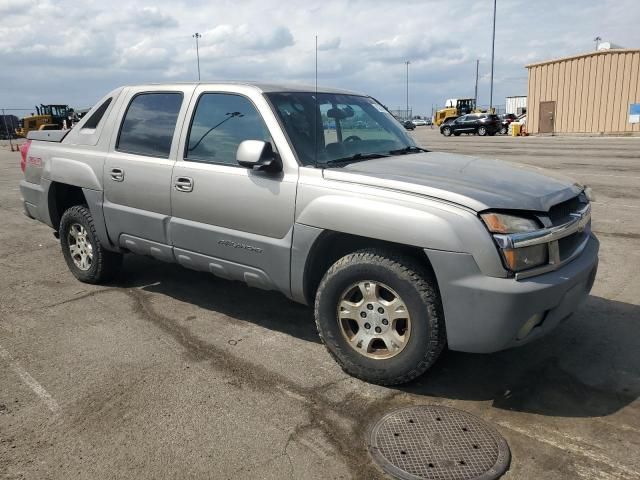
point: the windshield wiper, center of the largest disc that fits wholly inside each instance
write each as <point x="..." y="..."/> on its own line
<point x="405" y="150"/>
<point x="358" y="157"/>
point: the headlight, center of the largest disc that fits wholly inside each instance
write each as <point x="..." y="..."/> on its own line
<point x="505" y="223"/>
<point x="517" y="259"/>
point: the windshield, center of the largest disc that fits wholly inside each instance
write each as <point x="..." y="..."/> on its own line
<point x="347" y="127"/>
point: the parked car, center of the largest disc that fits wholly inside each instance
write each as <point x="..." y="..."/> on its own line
<point x="409" y="125"/>
<point x="419" y="122"/>
<point x="505" y="121"/>
<point x="473" y="123"/>
<point x="400" y="251"/>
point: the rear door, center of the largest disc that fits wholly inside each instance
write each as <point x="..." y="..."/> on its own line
<point x="226" y="219"/>
<point x="137" y="171"/>
<point x="547" y="116"/>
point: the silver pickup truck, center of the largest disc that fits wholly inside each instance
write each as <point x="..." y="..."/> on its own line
<point x="324" y="197"/>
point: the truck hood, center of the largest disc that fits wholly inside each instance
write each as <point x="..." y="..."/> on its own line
<point x="473" y="182"/>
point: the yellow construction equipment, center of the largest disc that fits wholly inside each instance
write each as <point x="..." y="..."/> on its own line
<point x="46" y="116"/>
<point x="32" y="122"/>
<point x="454" y="108"/>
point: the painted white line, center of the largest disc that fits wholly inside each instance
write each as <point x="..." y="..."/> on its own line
<point x="576" y="446"/>
<point x="30" y="381"/>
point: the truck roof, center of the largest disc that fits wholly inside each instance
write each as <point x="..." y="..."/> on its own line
<point x="263" y="87"/>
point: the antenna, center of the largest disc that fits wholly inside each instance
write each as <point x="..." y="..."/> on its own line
<point x="315" y="114"/>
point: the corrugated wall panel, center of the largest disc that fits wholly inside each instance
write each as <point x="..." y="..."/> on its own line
<point x="595" y="125"/>
<point x="584" y="102"/>
<point x="559" y="96"/>
<point x="623" y="123"/>
<point x="536" y="99"/>
<point x="579" y="97"/>
<point x="604" y="100"/>
<point x="592" y="92"/>
<point x="615" y="92"/>
<point x="591" y="109"/>
<point x="570" y="114"/>
<point x="635" y="75"/>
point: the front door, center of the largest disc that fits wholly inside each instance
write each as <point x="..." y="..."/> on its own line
<point x="231" y="221"/>
<point x="547" y="116"/>
<point x="138" y="167"/>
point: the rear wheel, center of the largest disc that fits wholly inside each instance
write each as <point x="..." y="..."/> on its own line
<point x="504" y="130"/>
<point x="446" y="131"/>
<point x="379" y="315"/>
<point x="85" y="256"/>
<point x="482" y="131"/>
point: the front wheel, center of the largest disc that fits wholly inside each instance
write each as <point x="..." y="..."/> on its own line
<point x="380" y="317"/>
<point x="446" y="131"/>
<point x="482" y="131"/>
<point x="85" y="256"/>
<point x="504" y="130"/>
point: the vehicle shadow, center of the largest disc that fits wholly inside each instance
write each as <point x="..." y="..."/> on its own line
<point x="267" y="309"/>
<point x="589" y="366"/>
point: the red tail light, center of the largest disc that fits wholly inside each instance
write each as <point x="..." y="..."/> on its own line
<point x="24" y="150"/>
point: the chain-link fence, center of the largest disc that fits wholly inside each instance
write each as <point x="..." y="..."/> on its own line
<point x="10" y="122"/>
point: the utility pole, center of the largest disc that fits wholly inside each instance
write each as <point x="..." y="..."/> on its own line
<point x="493" y="45"/>
<point x="407" y="64"/>
<point x="9" y="134"/>
<point x="475" y="95"/>
<point x="197" y="36"/>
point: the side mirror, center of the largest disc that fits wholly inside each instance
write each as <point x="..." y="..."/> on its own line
<point x="258" y="155"/>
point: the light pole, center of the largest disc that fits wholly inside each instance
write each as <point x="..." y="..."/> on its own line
<point x="407" y="64"/>
<point x="493" y="45"/>
<point x="197" y="36"/>
<point x="475" y="95"/>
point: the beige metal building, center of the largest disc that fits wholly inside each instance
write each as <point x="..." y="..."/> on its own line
<point x="589" y="93"/>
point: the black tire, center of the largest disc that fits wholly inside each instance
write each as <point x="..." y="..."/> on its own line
<point x="446" y="131"/>
<point x="482" y="131"/>
<point x="416" y="286"/>
<point x="104" y="265"/>
<point x="504" y="130"/>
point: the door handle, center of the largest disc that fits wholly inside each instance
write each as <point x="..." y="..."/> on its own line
<point x="117" y="174"/>
<point x="184" y="184"/>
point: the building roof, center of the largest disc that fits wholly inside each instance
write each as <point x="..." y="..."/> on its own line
<point x="584" y="55"/>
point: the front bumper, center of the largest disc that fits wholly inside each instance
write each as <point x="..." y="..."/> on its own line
<point x="485" y="314"/>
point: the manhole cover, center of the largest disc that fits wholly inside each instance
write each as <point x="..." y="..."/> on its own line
<point x="433" y="442"/>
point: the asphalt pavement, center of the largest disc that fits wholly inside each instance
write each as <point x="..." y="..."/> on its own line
<point x="169" y="373"/>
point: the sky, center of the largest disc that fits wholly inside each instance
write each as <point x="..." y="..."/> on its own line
<point x="73" y="52"/>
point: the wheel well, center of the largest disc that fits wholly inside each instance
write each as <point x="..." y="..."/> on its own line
<point x="331" y="246"/>
<point x="62" y="197"/>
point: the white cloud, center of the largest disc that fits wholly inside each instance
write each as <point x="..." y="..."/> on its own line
<point x="73" y="52"/>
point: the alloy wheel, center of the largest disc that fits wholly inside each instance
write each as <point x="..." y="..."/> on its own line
<point x="374" y="319"/>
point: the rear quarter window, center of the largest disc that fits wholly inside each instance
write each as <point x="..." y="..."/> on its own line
<point x="149" y="124"/>
<point x="94" y="119"/>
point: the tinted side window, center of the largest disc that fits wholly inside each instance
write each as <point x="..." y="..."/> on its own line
<point x="94" y="119"/>
<point x="148" y="125"/>
<point x="220" y="123"/>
